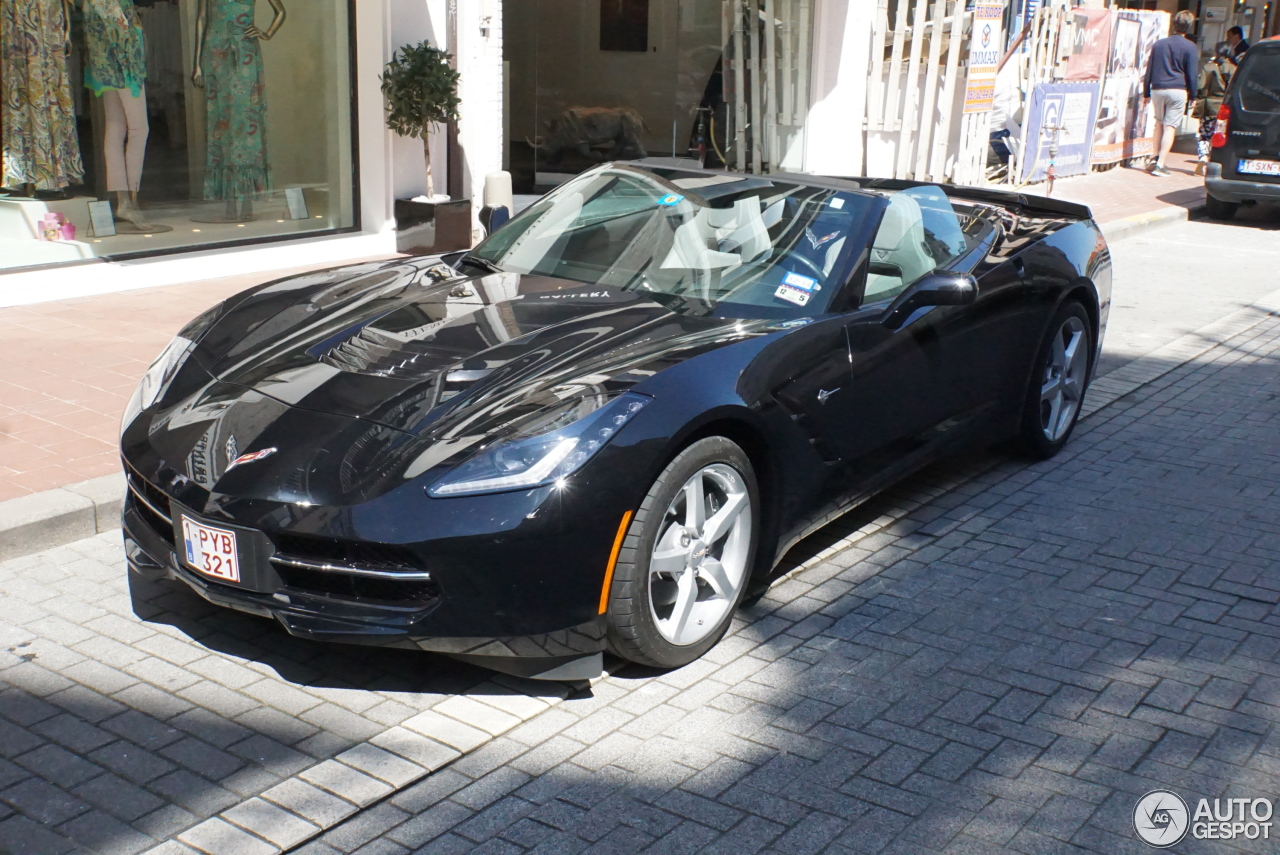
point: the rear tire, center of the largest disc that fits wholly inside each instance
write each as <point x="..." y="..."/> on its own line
<point x="1058" y="383"/>
<point x="686" y="559"/>
<point x="1219" y="209"/>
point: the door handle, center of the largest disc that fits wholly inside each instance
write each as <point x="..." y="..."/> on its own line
<point x="1020" y="267"/>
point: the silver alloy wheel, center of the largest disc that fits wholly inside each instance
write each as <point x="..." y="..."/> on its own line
<point x="700" y="559"/>
<point x="1062" y="387"/>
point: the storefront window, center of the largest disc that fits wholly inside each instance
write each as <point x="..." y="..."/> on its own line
<point x="722" y="81"/>
<point x="138" y="126"/>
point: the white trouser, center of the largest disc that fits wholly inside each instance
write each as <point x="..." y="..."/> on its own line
<point x="124" y="144"/>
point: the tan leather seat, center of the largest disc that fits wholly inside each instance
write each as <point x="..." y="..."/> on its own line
<point x="899" y="246"/>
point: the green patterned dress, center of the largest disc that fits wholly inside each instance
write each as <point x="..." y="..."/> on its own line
<point x="115" y="50"/>
<point x="39" y="143"/>
<point x="236" y="154"/>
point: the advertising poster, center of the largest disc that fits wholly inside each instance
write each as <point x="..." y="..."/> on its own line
<point x="1064" y="111"/>
<point x="984" y="55"/>
<point x="1125" y="126"/>
<point x="1091" y="47"/>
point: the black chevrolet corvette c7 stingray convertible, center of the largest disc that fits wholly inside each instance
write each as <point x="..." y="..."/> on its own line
<point x="602" y="427"/>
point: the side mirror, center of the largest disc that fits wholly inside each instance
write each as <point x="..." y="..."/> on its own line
<point x="939" y="288"/>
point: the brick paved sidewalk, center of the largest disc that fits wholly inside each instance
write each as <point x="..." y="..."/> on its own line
<point x="1000" y="670"/>
<point x="1125" y="192"/>
<point x="1007" y="669"/>
<point x="132" y="711"/>
<point x="68" y="367"/>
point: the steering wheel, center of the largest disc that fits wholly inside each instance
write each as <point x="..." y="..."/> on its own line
<point x="818" y="273"/>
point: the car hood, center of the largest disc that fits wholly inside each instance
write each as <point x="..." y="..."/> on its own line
<point x="360" y="384"/>
<point x="419" y="349"/>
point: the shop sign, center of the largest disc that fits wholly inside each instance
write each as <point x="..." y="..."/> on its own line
<point x="1091" y="44"/>
<point x="984" y="55"/>
<point x="1063" y="113"/>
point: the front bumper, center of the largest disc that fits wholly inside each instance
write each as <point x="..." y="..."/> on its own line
<point x="1236" y="190"/>
<point x="322" y="607"/>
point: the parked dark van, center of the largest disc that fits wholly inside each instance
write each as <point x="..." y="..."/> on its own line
<point x="1244" y="161"/>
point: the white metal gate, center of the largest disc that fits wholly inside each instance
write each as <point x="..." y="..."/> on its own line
<point x="766" y="81"/>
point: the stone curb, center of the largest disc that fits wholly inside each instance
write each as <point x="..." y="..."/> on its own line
<point x="1127" y="227"/>
<point x="42" y="521"/>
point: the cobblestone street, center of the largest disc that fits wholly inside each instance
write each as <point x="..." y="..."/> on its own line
<point x="1005" y="659"/>
<point x="1007" y="669"/>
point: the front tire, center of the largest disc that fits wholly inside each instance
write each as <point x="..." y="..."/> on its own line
<point x="687" y="556"/>
<point x="1058" y="383"/>
<point x="1219" y="209"/>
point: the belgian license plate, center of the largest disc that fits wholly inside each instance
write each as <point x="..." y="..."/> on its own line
<point x="212" y="551"/>
<point x="1259" y="167"/>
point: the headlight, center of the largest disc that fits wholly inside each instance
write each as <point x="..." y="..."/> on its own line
<point x="555" y="444"/>
<point x="161" y="372"/>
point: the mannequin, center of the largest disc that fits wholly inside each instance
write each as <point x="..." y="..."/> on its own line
<point x="229" y="57"/>
<point x="40" y="145"/>
<point x="116" y="71"/>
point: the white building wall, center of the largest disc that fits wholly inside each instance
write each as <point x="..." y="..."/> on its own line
<point x="408" y="23"/>
<point x="479" y="52"/>
<point x="479" y="59"/>
<point x="838" y="89"/>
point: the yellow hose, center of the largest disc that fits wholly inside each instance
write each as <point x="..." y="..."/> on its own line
<point x="723" y="160"/>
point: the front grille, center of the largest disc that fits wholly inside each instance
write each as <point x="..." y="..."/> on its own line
<point x="353" y="570"/>
<point x="151" y="505"/>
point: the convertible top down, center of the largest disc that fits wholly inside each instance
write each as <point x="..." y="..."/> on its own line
<point x="601" y="428"/>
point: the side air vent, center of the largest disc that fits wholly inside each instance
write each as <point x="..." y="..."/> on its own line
<point x="151" y="504"/>
<point x="353" y="570"/>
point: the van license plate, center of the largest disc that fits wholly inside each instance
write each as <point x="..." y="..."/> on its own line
<point x="211" y="550"/>
<point x="1259" y="167"/>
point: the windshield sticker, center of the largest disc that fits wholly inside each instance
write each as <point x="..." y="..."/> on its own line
<point x="837" y="203"/>
<point x="795" y="280"/>
<point x="819" y="241"/>
<point x="671" y="199"/>
<point x="796" y="289"/>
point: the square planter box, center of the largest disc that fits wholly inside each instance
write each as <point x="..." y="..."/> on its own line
<point x="424" y="228"/>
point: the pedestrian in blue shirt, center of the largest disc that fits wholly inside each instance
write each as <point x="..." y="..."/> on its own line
<point x="1171" y="85"/>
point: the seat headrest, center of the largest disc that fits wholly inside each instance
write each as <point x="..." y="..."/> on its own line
<point x="900" y="217"/>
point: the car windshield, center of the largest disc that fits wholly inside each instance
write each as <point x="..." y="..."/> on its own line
<point x="1260" y="86"/>
<point x="729" y="245"/>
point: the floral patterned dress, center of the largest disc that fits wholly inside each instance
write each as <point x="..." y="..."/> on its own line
<point x="115" y="50"/>
<point x="40" y="144"/>
<point x="236" y="164"/>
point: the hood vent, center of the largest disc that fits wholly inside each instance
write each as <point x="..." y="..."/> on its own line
<point x="387" y="354"/>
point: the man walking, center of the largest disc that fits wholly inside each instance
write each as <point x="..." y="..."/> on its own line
<point x="1171" y="84"/>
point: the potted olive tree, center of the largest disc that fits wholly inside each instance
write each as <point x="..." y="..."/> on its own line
<point x="421" y="90"/>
